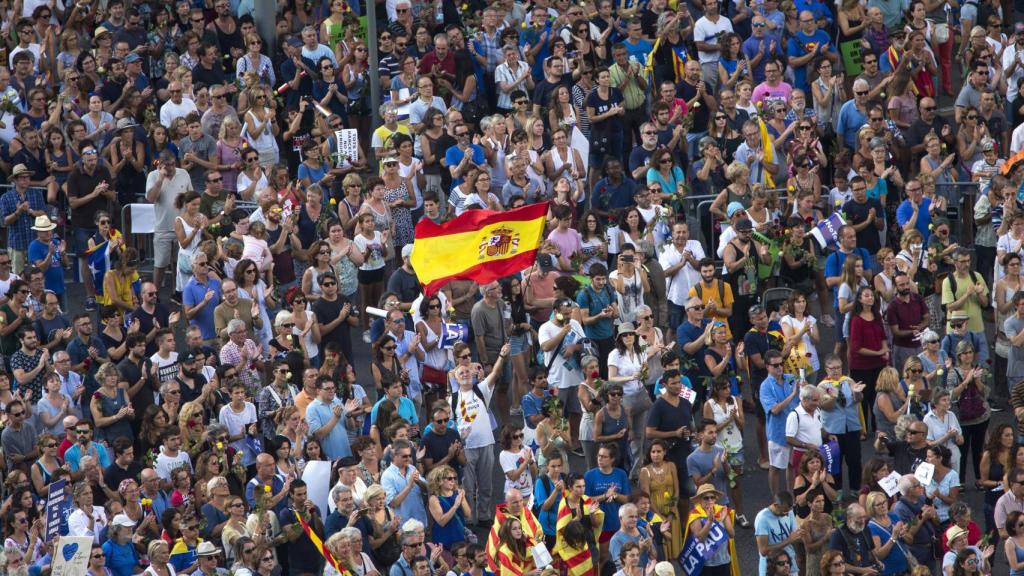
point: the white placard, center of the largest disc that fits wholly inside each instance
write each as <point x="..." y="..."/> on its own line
<point x="580" y="142"/>
<point x="317" y="476"/>
<point x="348" y="144"/>
<point x="71" y="556"/>
<point x="143" y="218"/>
<point x="403" y="110"/>
<point x="688" y="394"/>
<point x="541" y="556"/>
<point x="891" y="483"/>
<point x="924" y="473"/>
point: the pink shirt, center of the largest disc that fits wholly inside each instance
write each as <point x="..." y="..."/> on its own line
<point x="568" y="242"/>
<point x="766" y="94"/>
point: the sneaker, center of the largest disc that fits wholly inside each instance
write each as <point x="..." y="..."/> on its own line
<point x="577" y="451"/>
<point x="176" y="298"/>
<point x="994" y="407"/>
<point x="516" y="412"/>
<point x="741" y="519"/>
<point x="90" y="304"/>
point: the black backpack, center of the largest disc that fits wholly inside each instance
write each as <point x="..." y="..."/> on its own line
<point x="547" y="486"/>
<point x="952" y="288"/>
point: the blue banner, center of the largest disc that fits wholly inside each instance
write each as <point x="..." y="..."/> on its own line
<point x="696" y="553"/>
<point x="58" y="506"/>
<point x="827" y="231"/>
<point x="453" y="333"/>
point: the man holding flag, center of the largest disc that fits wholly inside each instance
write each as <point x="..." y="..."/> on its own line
<point x="303" y="529"/>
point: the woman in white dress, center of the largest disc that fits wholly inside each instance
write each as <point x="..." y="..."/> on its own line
<point x="188" y="228"/>
<point x="802" y="328"/>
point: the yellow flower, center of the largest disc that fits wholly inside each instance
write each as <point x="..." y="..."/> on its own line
<point x="266" y="488"/>
<point x="147" y="502"/>
<point x="220" y="445"/>
<point x="940" y="372"/>
<point x="667" y="494"/>
<point x="524" y="25"/>
<point x="334" y="202"/>
<point x="288" y="375"/>
<point x="791" y="188"/>
<point x="560" y="317"/>
<point x="760" y="105"/>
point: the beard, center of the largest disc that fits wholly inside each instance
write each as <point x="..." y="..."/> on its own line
<point x="855" y="528"/>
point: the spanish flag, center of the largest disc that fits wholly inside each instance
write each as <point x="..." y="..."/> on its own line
<point x="578" y="561"/>
<point x="698" y="512"/>
<point x="479" y="245"/>
<point x="320" y="546"/>
<point x="531" y="529"/>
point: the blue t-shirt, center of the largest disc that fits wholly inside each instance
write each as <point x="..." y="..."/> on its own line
<point x="121" y="558"/>
<point x="800" y="44"/>
<point x="594" y="302"/>
<point x="834" y="267"/>
<point x="193" y="294"/>
<point x="777" y="529"/>
<point x="771" y="394"/>
<point x="598" y="483"/>
<point x="454" y="155"/>
<point x="924" y="218"/>
<point x="53" y="278"/>
<point x="531" y="405"/>
<point x="640" y="50"/>
<point x="548" y="518"/>
<point x="896" y="561"/>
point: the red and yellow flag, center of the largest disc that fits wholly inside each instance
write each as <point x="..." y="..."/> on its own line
<point x="578" y="561"/>
<point x="531" y="529"/>
<point x="320" y="546"/>
<point x="479" y="245"/>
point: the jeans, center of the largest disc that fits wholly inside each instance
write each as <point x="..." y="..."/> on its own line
<point x="478" y="482"/>
<point x="676" y="314"/>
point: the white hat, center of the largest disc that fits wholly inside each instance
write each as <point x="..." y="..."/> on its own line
<point x="207" y="549"/>
<point x="43" y="224"/>
<point x="123" y="520"/>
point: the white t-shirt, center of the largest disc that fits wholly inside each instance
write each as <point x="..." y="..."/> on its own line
<point x="166" y="464"/>
<point x="164" y="210"/>
<point x="628" y="365"/>
<point x="803" y="426"/>
<point x="375" y="261"/>
<point x="170" y="111"/>
<point x="235" y="422"/>
<point x="509" y="462"/>
<point x="166" y="370"/>
<point x="704" y="30"/>
<point x="559" y="375"/>
<point x="472" y="418"/>
<point x="677" y="286"/>
<point x="797" y="325"/>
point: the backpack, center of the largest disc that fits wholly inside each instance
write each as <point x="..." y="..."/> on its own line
<point x="952" y="288"/>
<point x="476" y="389"/>
<point x="548" y="486"/>
<point x="971" y="405"/>
<point x="721" y="290"/>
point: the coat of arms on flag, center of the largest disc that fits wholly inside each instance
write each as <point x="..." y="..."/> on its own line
<point x="500" y="241"/>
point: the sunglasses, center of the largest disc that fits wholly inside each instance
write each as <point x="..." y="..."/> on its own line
<point x="775" y="364"/>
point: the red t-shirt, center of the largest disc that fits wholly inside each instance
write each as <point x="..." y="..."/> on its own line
<point x="865" y="334"/>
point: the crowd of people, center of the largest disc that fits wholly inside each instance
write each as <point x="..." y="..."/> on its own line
<point x="758" y="217"/>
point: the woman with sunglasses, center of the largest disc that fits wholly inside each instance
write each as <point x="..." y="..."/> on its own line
<point x="86" y="519"/>
<point x="23" y="535"/>
<point x="891" y="401"/>
<point x="260" y="128"/>
<point x="727" y="141"/>
<point x="517" y="462"/>
<point x="832" y="564"/>
<point x="97" y="562"/>
<point x="707" y="512"/>
<point x="235" y="529"/>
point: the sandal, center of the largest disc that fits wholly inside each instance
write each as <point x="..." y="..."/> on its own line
<point x="741" y="519"/>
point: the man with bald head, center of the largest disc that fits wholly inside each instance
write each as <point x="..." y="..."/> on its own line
<point x="177" y="106"/>
<point x="854" y="114"/>
<point x="928" y="122"/>
<point x="149" y="487"/>
<point x="266" y="475"/>
<point x="513" y="507"/>
<point x="70" y="435"/>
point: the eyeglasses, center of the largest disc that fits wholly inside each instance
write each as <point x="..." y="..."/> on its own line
<point x="775" y="364"/>
<point x="465" y="357"/>
<point x="17" y="414"/>
<point x="912" y="431"/>
<point x="267" y="559"/>
<point x="389" y="348"/>
<point x="174" y="392"/>
<point x="839" y="562"/>
<point x="50" y="445"/>
<point x="197" y="20"/>
<point x="326" y="284"/>
<point x="783" y="563"/>
<point x="212" y="180"/>
<point x="972" y="116"/>
<point x="861" y="92"/>
<point x="615" y="394"/>
<point x="98" y="555"/>
<point x="517" y="436"/>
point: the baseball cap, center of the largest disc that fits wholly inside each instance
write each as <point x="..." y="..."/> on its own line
<point x="733" y="208"/>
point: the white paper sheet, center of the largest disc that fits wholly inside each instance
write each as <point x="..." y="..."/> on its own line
<point x="890" y="484"/>
<point x="317" y="476"/>
<point x="143" y="218"/>
<point x="924" y="473"/>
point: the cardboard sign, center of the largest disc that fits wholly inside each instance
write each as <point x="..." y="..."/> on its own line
<point x="348" y="144"/>
<point x="890" y="484"/>
<point x="924" y="473"/>
<point x="58" y="501"/>
<point x="71" y="556"/>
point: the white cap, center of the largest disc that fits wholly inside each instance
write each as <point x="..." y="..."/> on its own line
<point x="123" y="520"/>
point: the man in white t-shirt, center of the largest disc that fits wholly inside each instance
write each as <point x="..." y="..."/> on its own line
<point x="177" y="106"/>
<point x="680" y="260"/>
<point x="706" y="33"/>
<point x="471" y="408"/>
<point x="163" y="186"/>
<point x="803" y="425"/>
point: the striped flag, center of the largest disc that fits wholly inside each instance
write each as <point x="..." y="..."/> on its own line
<point x="698" y="512"/>
<point x="578" y="561"/>
<point x="320" y="545"/>
<point x="99" y="261"/>
<point x="531" y="529"/>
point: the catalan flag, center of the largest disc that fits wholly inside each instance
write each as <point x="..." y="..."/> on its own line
<point x="100" y="261"/>
<point x="578" y="561"/>
<point x="479" y="245"/>
<point x="698" y="512"/>
<point x="320" y="546"/>
<point x="531" y="529"/>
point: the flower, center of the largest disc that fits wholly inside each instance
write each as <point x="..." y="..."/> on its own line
<point x="791" y="188"/>
<point x="940" y="372"/>
<point x="594" y="374"/>
<point x="696" y="105"/>
<point x="334" y="202"/>
<point x="220" y="445"/>
<point x="266" y="488"/>
<point x="288" y="375"/>
<point x="97" y="396"/>
<point x="560" y="317"/>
